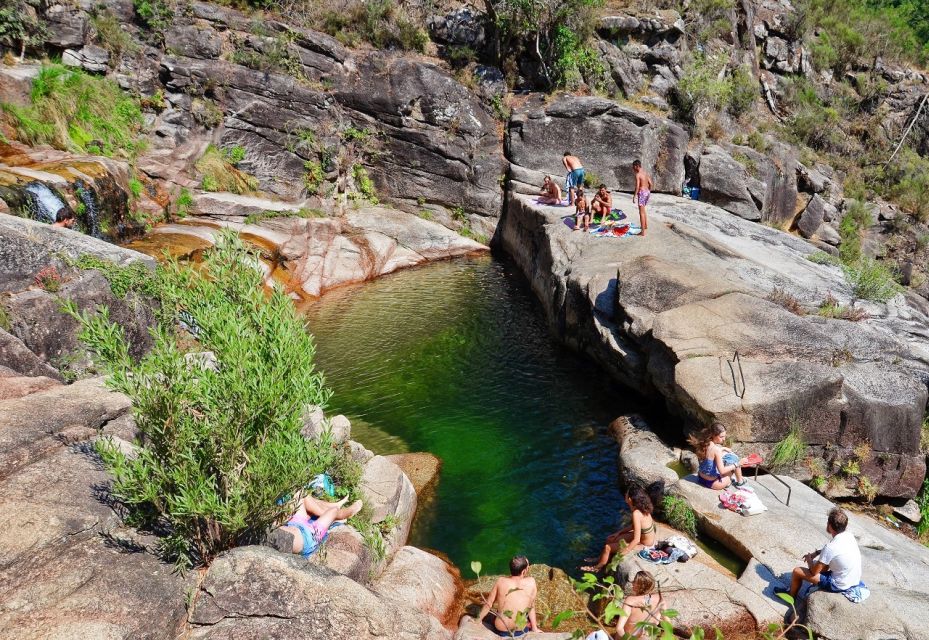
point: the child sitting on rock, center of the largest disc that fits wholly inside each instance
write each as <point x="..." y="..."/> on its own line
<point x="641" y="533"/>
<point x="718" y="464"/>
<point x="583" y="211"/>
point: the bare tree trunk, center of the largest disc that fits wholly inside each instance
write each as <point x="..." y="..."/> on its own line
<point x="908" y="129"/>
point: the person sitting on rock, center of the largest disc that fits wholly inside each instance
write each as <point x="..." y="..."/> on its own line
<point x="582" y="211"/>
<point x="602" y="204"/>
<point x="718" y="464"/>
<point x="309" y="526"/>
<point x="551" y="192"/>
<point x="575" y="178"/>
<point x="64" y="218"/>
<point x="514" y="597"/>
<point x="639" y="534"/>
<point x="642" y="606"/>
<point x="836" y="567"/>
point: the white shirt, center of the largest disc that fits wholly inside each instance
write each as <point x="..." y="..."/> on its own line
<point x="844" y="560"/>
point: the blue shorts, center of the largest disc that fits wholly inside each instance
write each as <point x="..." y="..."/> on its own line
<point x="826" y="583"/>
<point x="511" y="634"/>
<point x="574" y="179"/>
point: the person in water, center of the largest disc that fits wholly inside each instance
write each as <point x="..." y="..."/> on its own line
<point x="582" y="211"/>
<point x="64" y="218"/>
<point x="310" y="525"/>
<point x="643" y="191"/>
<point x="575" y="178"/>
<point x="642" y="606"/>
<point x="719" y="466"/>
<point x="641" y="533"/>
<point x="551" y="192"/>
<point x="512" y="596"/>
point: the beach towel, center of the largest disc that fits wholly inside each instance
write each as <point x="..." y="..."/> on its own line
<point x="682" y="543"/>
<point x="742" y="500"/>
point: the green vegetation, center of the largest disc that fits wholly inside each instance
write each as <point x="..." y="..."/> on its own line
<point x="19" y="25"/>
<point x="77" y="112"/>
<point x="851" y="468"/>
<point x="305" y="212"/>
<point x="133" y="277"/>
<point x="183" y="203"/>
<point x="679" y="515"/>
<point x="135" y="188"/>
<point x="219" y="174"/>
<point x="791" y="449"/>
<point x="425" y="214"/>
<point x="110" y="35"/>
<point x="206" y="112"/>
<point x="220" y="446"/>
<point x="276" y="54"/>
<point x="313" y="176"/>
<point x="364" y="184"/>
<point x="702" y="89"/>
<point x="154" y="15"/>
<point x="708" y="19"/>
<point x="872" y="280"/>
<point x="5" y="321"/>
<point x="831" y="308"/>
<point x="381" y="23"/>
<point x="922" y="529"/>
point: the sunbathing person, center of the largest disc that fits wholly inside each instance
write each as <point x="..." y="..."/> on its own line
<point x="641" y="533"/>
<point x="551" y="192"/>
<point x="602" y="204"/>
<point x="512" y="596"/>
<point x="309" y="526"/>
<point x="582" y="211"/>
<point x="641" y="606"/>
<point x="718" y="464"/>
<point x="837" y="566"/>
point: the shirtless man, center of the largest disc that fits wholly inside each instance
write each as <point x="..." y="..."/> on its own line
<point x="582" y="213"/>
<point x="551" y="192"/>
<point x="643" y="191"/>
<point x="602" y="204"/>
<point x="575" y="177"/>
<point x="512" y="596"/>
<point x="64" y="218"/>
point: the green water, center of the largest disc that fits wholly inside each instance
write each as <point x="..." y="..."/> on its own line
<point x="455" y="359"/>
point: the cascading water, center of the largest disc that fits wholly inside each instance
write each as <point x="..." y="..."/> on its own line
<point x="45" y="205"/>
<point x="91" y="213"/>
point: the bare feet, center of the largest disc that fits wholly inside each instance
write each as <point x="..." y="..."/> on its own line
<point x="350" y="510"/>
<point x="591" y="568"/>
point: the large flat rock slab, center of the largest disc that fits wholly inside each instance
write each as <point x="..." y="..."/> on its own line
<point x="684" y="312"/>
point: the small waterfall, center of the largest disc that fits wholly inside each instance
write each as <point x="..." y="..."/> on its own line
<point x="44" y="204"/>
<point x="91" y="213"/>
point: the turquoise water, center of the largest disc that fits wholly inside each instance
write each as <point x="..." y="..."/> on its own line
<point x="454" y="358"/>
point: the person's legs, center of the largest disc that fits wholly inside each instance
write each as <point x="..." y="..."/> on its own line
<point x="317" y="507"/>
<point x="608" y="550"/>
<point x="721" y="483"/>
<point x="325" y="520"/>
<point x="643" y="219"/>
<point x="798" y="577"/>
<point x="298" y="538"/>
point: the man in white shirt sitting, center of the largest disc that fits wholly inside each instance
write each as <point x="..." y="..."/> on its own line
<point x="837" y="566"/>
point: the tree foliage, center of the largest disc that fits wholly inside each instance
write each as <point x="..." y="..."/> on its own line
<point x="20" y="26"/>
<point x="219" y="445"/>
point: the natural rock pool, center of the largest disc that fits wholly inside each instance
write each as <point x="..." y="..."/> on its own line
<point x="454" y="358"/>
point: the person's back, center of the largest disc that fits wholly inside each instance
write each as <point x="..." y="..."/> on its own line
<point x="512" y="596"/>
<point x="571" y="162"/>
<point x="641" y="606"/>
<point x="843" y="557"/>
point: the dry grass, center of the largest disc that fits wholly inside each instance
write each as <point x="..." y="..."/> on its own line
<point x="783" y="298"/>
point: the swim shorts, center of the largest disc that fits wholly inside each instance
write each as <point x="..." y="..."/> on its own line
<point x="644" y="195"/>
<point x="575" y="179"/>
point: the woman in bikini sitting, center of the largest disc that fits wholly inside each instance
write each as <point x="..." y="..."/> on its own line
<point x="718" y="464"/>
<point x="641" y="533"/>
<point x="309" y="526"/>
<point x="641" y="606"/>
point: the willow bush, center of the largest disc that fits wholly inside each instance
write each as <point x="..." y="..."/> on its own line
<point x="219" y="445"/>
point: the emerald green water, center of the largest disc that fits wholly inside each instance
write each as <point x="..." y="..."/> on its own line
<point x="454" y="358"/>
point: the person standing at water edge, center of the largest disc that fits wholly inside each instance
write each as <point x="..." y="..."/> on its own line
<point x="575" y="178"/>
<point x="643" y="191"/>
<point x="513" y="596"/>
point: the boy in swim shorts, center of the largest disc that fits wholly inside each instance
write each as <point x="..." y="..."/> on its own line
<point x="643" y="191"/>
<point x="582" y="215"/>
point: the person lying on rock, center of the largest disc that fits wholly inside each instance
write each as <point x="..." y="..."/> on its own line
<point x="551" y="192"/>
<point x="514" y="598"/>
<point x="836" y="567"/>
<point x="602" y="204"/>
<point x="642" y="606"/>
<point x="309" y="526"/>
<point x="639" y="534"/>
<point x="718" y="464"/>
<point x="64" y="218"/>
<point x="582" y="211"/>
<point x="575" y="178"/>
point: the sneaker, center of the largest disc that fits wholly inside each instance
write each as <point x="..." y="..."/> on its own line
<point x="739" y="484"/>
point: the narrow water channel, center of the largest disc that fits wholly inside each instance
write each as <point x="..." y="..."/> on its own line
<point x="455" y="359"/>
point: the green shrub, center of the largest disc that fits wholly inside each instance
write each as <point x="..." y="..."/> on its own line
<point x="757" y="142"/>
<point x="821" y="257"/>
<point x="700" y="89"/>
<point x="313" y="176"/>
<point x="206" y="112"/>
<point x="743" y="91"/>
<point x="853" y="222"/>
<point x="381" y="23"/>
<point x="923" y="500"/>
<point x="831" y="308"/>
<point x="790" y="450"/>
<point x="364" y="184"/>
<point x="19" y="27"/>
<point x="220" y="446"/>
<point x="77" y="112"/>
<point x="680" y="515"/>
<point x="459" y="56"/>
<point x="275" y="55"/>
<point x="304" y="212"/>
<point x="709" y="18"/>
<point x="132" y="277"/>
<point x="591" y="180"/>
<point x="155" y="15"/>
<point x="183" y="203"/>
<point x="872" y="280"/>
<point x="135" y="188"/>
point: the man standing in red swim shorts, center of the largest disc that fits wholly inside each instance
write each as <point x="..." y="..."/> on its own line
<point x="643" y="190"/>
